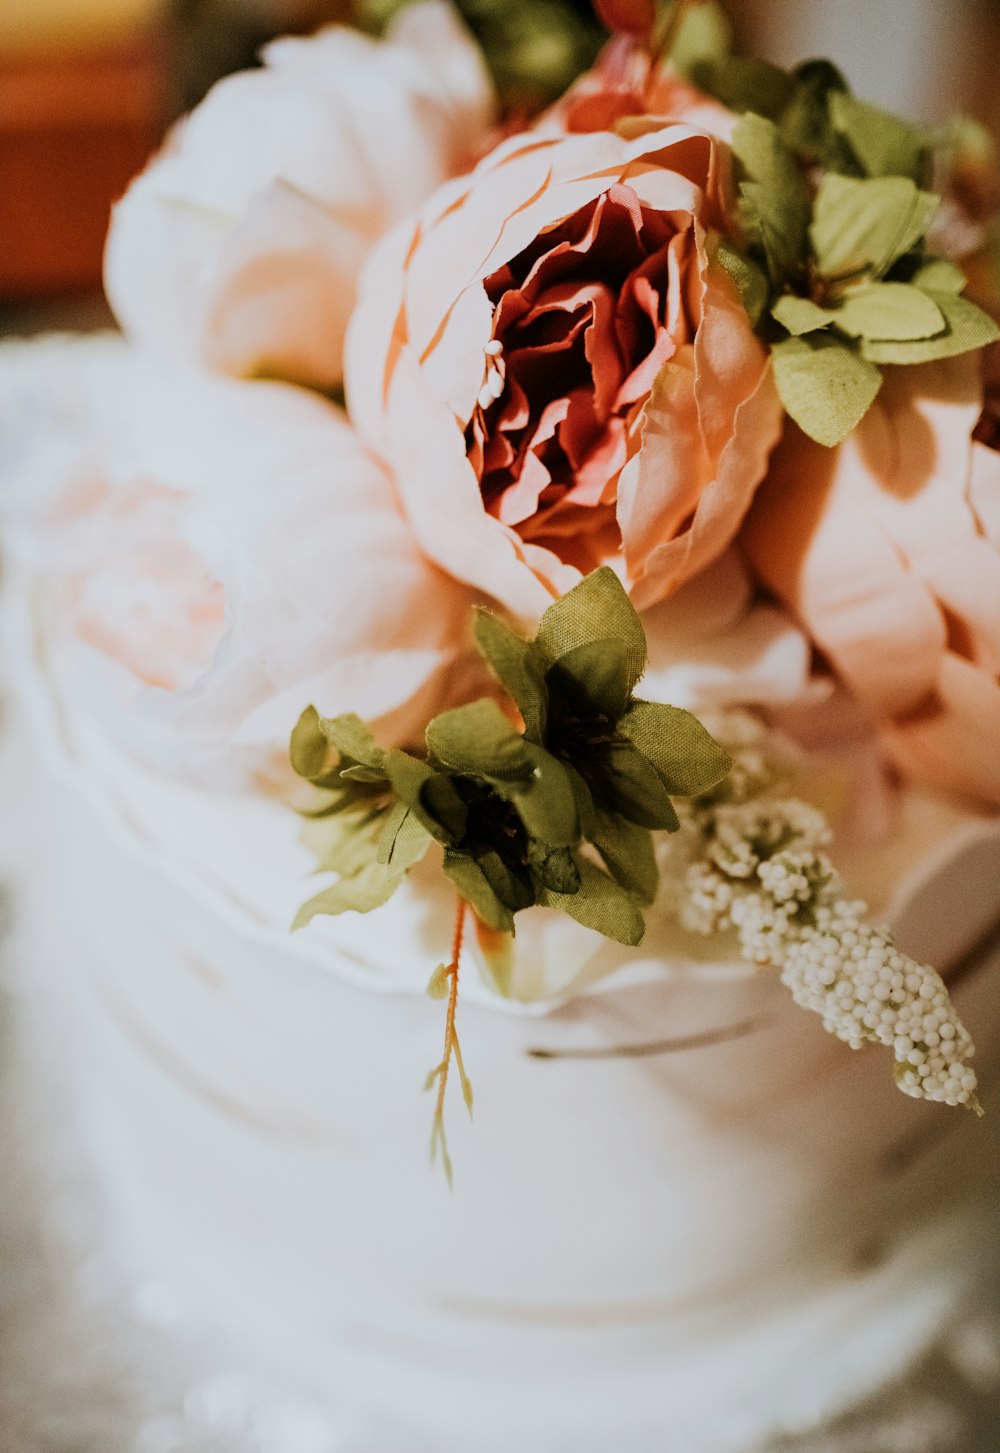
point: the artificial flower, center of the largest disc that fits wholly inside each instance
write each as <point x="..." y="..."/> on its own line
<point x="888" y="550"/>
<point x="560" y="373"/>
<point x="240" y="245"/>
<point x="235" y="551"/>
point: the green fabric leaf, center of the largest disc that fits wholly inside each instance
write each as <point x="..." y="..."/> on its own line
<point x="359" y="893"/>
<point x="593" y="610"/>
<point x="805" y="120"/>
<point x="884" y="145"/>
<point x="867" y="223"/>
<point x="600" y="904"/>
<point x="344" y="844"/>
<point x="513" y="661"/>
<point x="631" y="785"/>
<point x="966" y="328"/>
<point x="513" y="889"/>
<point x="628" y="852"/>
<point x="704" y="37"/>
<point x="309" y="748"/>
<point x="746" y="84"/>
<point x="895" y="311"/>
<point x="687" y="757"/>
<point x="403" y="840"/>
<point x="547" y="804"/>
<point x="366" y="775"/>
<point x="751" y="281"/>
<point x="477" y="740"/>
<point x="938" y="275"/>
<point x="473" y="886"/>
<point x="596" y="673"/>
<point x="585" y="810"/>
<point x="800" y="315"/>
<point x="430" y="796"/>
<point x="554" y="868"/>
<point x="774" y="197"/>
<point x="352" y="738"/>
<point x="826" y="386"/>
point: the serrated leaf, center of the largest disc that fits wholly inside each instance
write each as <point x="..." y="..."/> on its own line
<point x="474" y="888"/>
<point x="477" y="740"/>
<point x="966" y="328"/>
<point x="800" y="315"/>
<point x="515" y="666"/>
<point x="596" y="608"/>
<point x="359" y="893"/>
<point x="861" y="223"/>
<point x="430" y="796"/>
<point x="628" y="853"/>
<point x="631" y="785"/>
<point x="597" y="674"/>
<point x="938" y="275"/>
<point x="885" y="145"/>
<point x="896" y="311"/>
<point x="750" y="280"/>
<point x="547" y="804"/>
<point x="687" y="757"/>
<point x="600" y="904"/>
<point x="554" y="868"/>
<point x="774" y="197"/>
<point x="825" y="386"/>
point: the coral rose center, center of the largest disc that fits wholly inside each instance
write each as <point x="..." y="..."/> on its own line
<point x="584" y="318"/>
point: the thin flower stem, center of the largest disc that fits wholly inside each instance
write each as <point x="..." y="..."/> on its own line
<point x="451" y="1045"/>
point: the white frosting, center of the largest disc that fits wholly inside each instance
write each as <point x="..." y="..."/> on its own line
<point x="670" y="1252"/>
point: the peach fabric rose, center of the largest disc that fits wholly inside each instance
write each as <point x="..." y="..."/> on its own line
<point x="239" y="246"/>
<point x="623" y="82"/>
<point x="888" y="550"/>
<point x="232" y="555"/>
<point x="558" y="371"/>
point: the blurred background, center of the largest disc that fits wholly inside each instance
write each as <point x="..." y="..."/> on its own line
<point x="89" y="87"/>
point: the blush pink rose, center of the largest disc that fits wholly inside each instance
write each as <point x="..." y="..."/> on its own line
<point x="240" y="245"/>
<point x="888" y="551"/>
<point x="232" y="555"/>
<point x="560" y="374"/>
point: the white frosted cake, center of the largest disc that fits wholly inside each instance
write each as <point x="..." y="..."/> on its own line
<point x="672" y="470"/>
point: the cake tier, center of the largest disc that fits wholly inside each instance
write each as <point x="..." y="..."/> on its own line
<point x="675" y="1250"/>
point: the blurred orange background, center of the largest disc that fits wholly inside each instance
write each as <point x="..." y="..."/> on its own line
<point x="88" y="88"/>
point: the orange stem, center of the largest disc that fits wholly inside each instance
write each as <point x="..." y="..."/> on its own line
<point x="449" y="1023"/>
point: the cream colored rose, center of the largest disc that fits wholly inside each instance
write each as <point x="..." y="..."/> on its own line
<point x="240" y="245"/>
<point x="232" y="555"/>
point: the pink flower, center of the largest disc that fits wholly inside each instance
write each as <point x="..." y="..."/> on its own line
<point x="558" y="371"/>
<point x="888" y="551"/>
<point x="232" y="555"/>
<point x="240" y="245"/>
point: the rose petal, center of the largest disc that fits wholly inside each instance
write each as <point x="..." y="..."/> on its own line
<point x="821" y="554"/>
<point x="953" y="742"/>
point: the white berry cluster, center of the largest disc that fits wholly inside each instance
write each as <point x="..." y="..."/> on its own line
<point x="752" y="862"/>
<point x="866" y="989"/>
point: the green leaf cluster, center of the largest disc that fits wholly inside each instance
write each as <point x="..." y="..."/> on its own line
<point x="551" y="804"/>
<point x="830" y="259"/>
